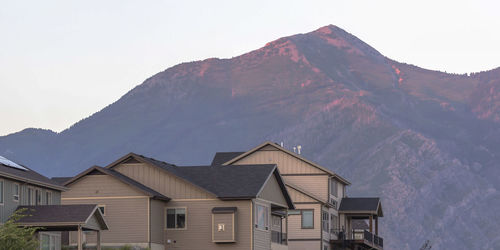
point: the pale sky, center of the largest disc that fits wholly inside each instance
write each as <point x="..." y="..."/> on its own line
<point x="62" y="61"/>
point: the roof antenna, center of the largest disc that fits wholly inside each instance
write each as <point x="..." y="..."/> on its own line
<point x="299" y="147"/>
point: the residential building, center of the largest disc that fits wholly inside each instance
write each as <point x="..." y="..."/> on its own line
<point x="40" y="198"/>
<point x="324" y="216"/>
<point x="150" y="203"/>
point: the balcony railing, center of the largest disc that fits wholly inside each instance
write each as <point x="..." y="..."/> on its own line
<point x="278" y="237"/>
<point x="359" y="235"/>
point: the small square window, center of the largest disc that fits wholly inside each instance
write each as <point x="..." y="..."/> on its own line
<point x="307" y="219"/>
<point x="15" y="192"/>
<point x="176" y="218"/>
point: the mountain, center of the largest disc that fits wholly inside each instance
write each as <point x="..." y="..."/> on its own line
<point x="427" y="142"/>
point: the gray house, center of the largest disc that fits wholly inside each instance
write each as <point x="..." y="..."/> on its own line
<point x="40" y="198"/>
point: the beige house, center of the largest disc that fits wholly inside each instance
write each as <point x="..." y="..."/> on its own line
<point x="152" y="204"/>
<point x="324" y="216"/>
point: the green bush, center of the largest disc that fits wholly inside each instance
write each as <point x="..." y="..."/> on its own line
<point x="13" y="237"/>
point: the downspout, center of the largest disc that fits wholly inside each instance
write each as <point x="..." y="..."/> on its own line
<point x="251" y="225"/>
<point x="149" y="224"/>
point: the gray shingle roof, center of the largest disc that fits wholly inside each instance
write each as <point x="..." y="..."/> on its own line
<point x="57" y="213"/>
<point x="60" y="180"/>
<point x="223" y="157"/>
<point x="29" y="176"/>
<point x="359" y="204"/>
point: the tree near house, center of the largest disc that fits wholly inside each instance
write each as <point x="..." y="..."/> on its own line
<point x="13" y="237"/>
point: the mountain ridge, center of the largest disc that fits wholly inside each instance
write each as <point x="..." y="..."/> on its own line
<point x="425" y="141"/>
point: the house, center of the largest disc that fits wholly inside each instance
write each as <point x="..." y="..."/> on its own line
<point x="153" y="204"/>
<point x="39" y="198"/>
<point x="324" y="217"/>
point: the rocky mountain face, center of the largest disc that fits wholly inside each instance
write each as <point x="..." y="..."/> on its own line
<point x="427" y="142"/>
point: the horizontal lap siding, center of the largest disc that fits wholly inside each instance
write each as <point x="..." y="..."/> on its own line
<point x="295" y="224"/>
<point x="316" y="185"/>
<point x="305" y="245"/>
<point x="99" y="186"/>
<point x="127" y="220"/>
<point x="198" y="232"/>
<point x="298" y="196"/>
<point x="162" y="181"/>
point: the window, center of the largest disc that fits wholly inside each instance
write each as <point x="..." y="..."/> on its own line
<point x="176" y="218"/>
<point x="102" y="208"/>
<point x="307" y="219"/>
<point x="38" y="197"/>
<point x="333" y="187"/>
<point x="1" y="191"/>
<point x="261" y="217"/>
<point x="334" y="222"/>
<point x="325" y="247"/>
<point x="15" y="192"/>
<point x="325" y="219"/>
<point x="48" y="198"/>
<point x="31" y="200"/>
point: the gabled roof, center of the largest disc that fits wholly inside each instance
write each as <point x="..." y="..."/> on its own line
<point x="277" y="146"/>
<point x="134" y="184"/>
<point x="60" y="180"/>
<point x="62" y="216"/>
<point x="225" y="182"/>
<point x="222" y="157"/>
<point x="30" y="176"/>
<point x="368" y="205"/>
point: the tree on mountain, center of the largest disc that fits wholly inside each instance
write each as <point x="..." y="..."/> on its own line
<point x="12" y="236"/>
<point x="426" y="246"/>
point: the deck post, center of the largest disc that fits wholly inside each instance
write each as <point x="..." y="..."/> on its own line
<point x="376" y="225"/>
<point x="286" y="221"/>
<point x="98" y="243"/>
<point x="79" y="242"/>
<point x="371" y="223"/>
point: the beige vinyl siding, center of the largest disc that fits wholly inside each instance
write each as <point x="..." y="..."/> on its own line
<point x="287" y="164"/>
<point x="314" y="184"/>
<point x="262" y="238"/>
<point x="162" y="181"/>
<point x="127" y="219"/>
<point x="157" y="221"/>
<point x="272" y="192"/>
<point x="100" y="186"/>
<point x="295" y="230"/>
<point x="298" y="196"/>
<point x="198" y="232"/>
<point x="305" y="245"/>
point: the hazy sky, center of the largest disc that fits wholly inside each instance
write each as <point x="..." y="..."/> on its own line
<point x="61" y="61"/>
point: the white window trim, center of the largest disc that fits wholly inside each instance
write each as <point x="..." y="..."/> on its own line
<point x="185" y="221"/>
<point x="266" y="226"/>
<point x="18" y="195"/>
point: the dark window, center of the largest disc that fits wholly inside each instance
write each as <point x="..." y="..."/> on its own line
<point x="38" y="197"/>
<point x="31" y="200"/>
<point x="48" y="198"/>
<point x="307" y="218"/>
<point x="1" y="192"/>
<point x="176" y="218"/>
<point x="334" y="188"/>
<point x="15" y="192"/>
<point x="334" y="222"/>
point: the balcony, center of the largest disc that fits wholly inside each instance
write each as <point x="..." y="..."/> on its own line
<point x="278" y="237"/>
<point x="358" y="237"/>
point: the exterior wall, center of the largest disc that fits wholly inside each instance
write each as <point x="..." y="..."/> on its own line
<point x="272" y="192"/>
<point x="199" y="225"/>
<point x="9" y="205"/>
<point x="162" y="181"/>
<point x="305" y="245"/>
<point x="295" y="230"/>
<point x="314" y="184"/>
<point x="287" y="164"/>
<point x="262" y="238"/>
<point x="126" y="209"/>
<point x="298" y="196"/>
<point x="157" y="222"/>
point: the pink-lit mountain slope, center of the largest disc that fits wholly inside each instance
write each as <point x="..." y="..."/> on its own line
<point x="427" y="142"/>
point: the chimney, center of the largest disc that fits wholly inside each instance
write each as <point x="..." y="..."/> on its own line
<point x="299" y="147"/>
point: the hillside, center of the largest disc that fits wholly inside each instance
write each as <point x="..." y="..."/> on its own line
<point x="427" y="142"/>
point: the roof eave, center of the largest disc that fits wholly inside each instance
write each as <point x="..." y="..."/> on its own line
<point x="27" y="180"/>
